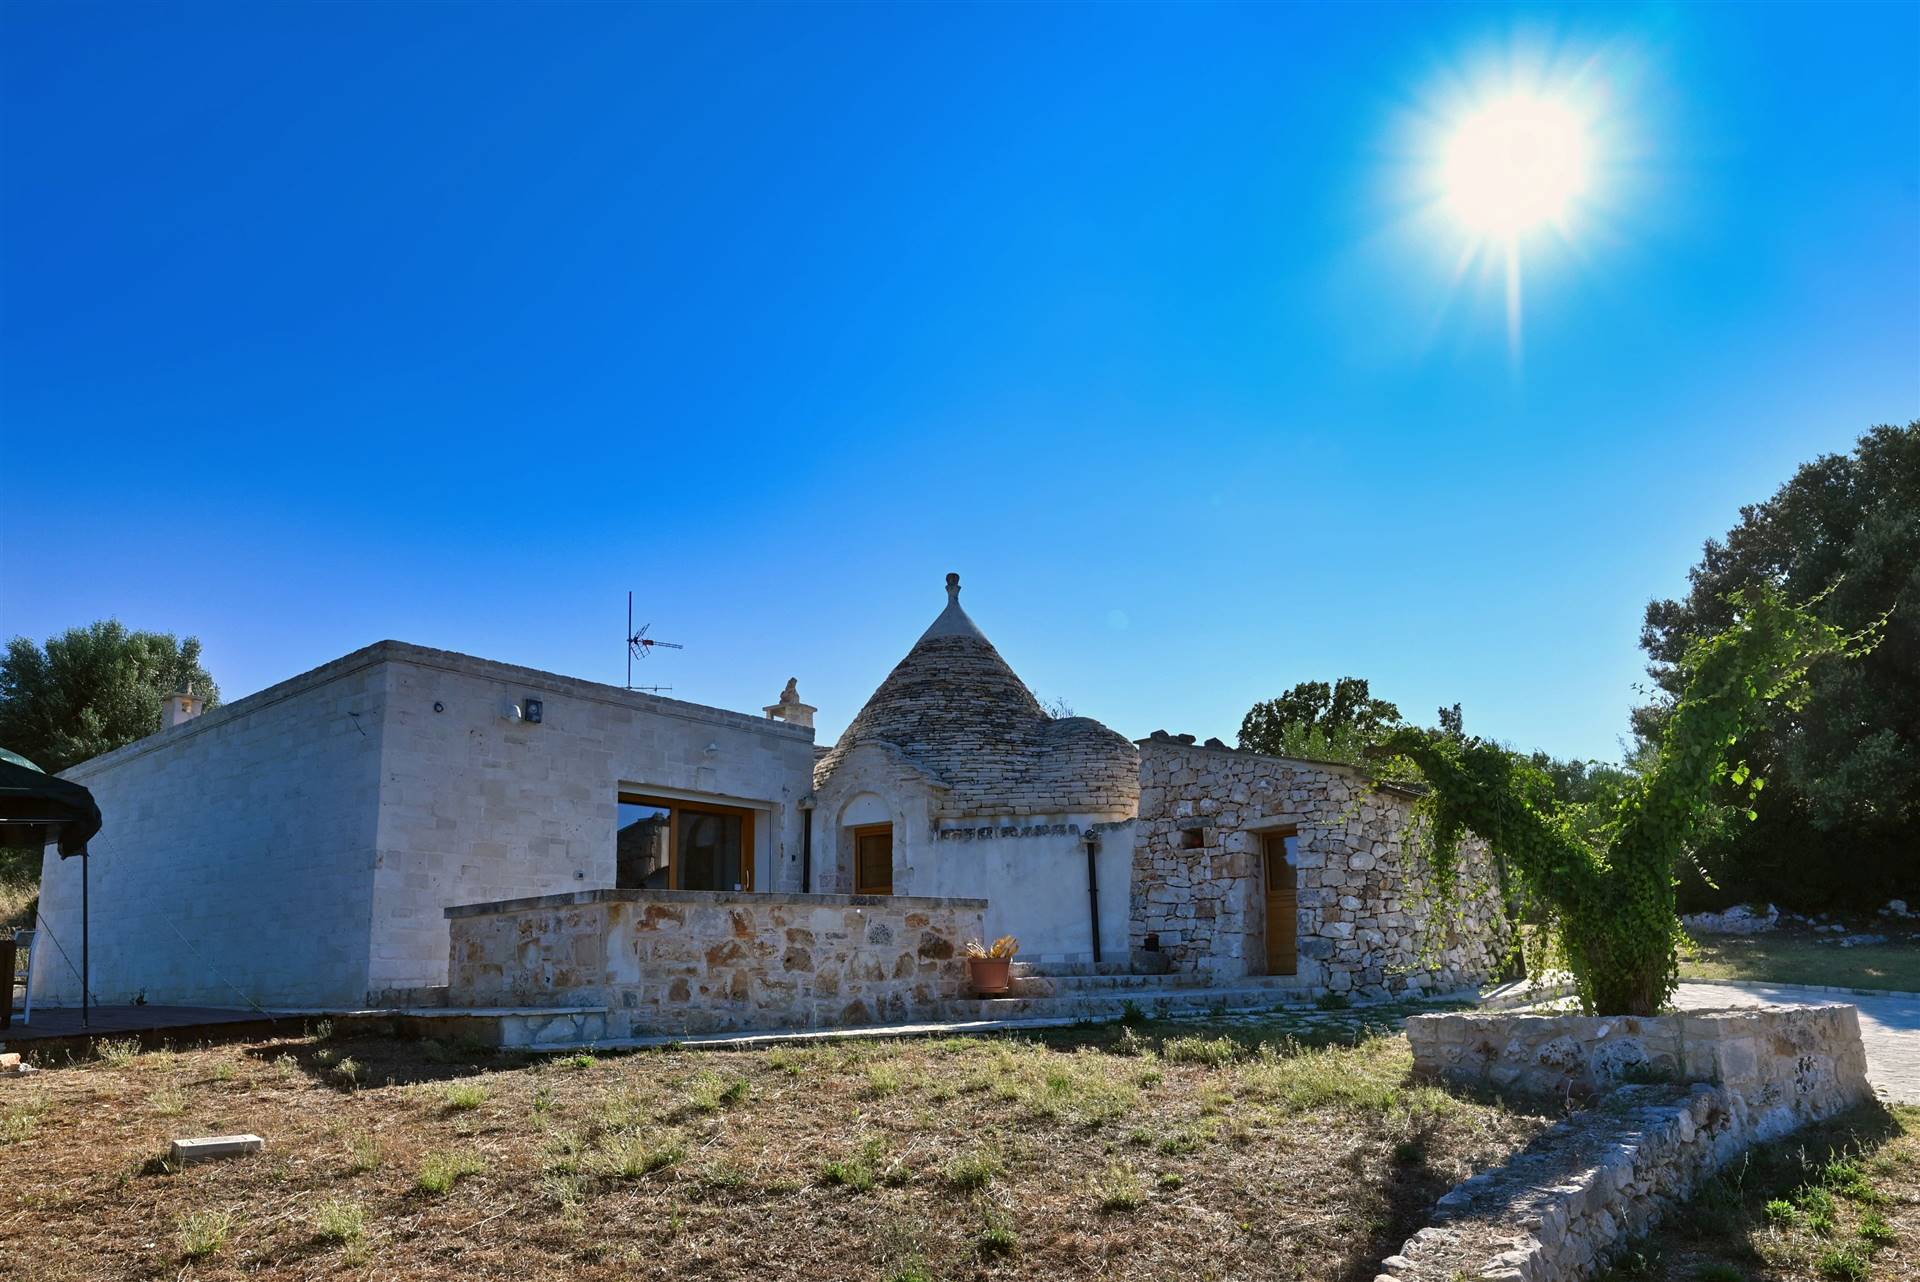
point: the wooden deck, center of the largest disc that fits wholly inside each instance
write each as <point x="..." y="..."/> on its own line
<point x="178" y="1024"/>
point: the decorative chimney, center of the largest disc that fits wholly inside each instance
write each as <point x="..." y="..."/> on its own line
<point x="181" y="706"/>
<point x="790" y="709"/>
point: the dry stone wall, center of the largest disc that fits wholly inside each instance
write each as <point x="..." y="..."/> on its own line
<point x="1364" y="926"/>
<point x="1561" y="1209"/>
<point x="671" y="962"/>
<point x="1789" y="1063"/>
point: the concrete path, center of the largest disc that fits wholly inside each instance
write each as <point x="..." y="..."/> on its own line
<point x="1889" y="1025"/>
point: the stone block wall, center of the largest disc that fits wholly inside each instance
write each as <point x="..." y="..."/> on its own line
<point x="1559" y="1211"/>
<point x="686" y="962"/>
<point x="235" y="860"/>
<point x="477" y="805"/>
<point x="1788" y="1063"/>
<point x="1363" y="924"/>
<point x="298" y="847"/>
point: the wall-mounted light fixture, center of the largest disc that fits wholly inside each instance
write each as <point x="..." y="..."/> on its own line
<point x="530" y="710"/>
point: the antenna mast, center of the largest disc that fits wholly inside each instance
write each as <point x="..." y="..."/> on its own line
<point x="640" y="645"/>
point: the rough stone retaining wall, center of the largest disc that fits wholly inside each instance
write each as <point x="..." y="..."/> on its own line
<point x="1581" y="1191"/>
<point x="1782" y="1060"/>
<point x="1363" y="926"/>
<point x="667" y="962"/>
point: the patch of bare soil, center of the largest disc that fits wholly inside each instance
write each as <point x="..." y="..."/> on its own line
<point x="1176" y="1151"/>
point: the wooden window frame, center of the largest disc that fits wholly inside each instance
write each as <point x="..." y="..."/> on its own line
<point x="869" y="830"/>
<point x="674" y="806"/>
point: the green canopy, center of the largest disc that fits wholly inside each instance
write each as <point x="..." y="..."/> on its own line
<point x="55" y="809"/>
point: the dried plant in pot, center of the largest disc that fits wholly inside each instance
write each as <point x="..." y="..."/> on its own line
<point x="989" y="966"/>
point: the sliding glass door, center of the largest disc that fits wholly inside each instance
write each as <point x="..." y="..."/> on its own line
<point x="666" y="844"/>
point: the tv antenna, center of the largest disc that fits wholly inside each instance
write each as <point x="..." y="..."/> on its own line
<point x="640" y="645"/>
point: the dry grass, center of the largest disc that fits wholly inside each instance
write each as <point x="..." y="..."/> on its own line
<point x="1090" y="1154"/>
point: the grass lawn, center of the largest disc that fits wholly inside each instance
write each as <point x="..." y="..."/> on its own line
<point x="1838" y="1202"/>
<point x="1184" y="1151"/>
<point x="1793" y="957"/>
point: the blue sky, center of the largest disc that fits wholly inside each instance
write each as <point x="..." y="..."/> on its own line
<point x="451" y="324"/>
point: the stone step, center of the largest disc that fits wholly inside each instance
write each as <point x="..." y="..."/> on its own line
<point x="1106" y="1004"/>
<point x="504" y="1026"/>
<point x="1051" y="985"/>
<point x="425" y="998"/>
<point x="1020" y="968"/>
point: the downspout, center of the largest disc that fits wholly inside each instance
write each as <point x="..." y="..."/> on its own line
<point x="806" y="850"/>
<point x="1093" y="890"/>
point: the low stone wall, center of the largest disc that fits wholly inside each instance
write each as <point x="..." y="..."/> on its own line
<point x="1789" y="1063"/>
<point x="1559" y="1210"/>
<point x="667" y="962"/>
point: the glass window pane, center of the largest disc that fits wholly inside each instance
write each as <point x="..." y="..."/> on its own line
<point x="641" y="853"/>
<point x="710" y="854"/>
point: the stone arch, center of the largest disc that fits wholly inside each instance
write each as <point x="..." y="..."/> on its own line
<point x="866" y="808"/>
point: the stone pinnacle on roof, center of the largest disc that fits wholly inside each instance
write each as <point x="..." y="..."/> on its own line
<point x="953" y="621"/>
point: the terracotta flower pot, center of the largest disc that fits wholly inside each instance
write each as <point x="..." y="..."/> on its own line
<point x="989" y="975"/>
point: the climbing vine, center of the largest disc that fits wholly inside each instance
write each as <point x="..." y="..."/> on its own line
<point x="1601" y="876"/>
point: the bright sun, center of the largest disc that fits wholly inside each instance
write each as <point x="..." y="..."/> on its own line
<point x="1515" y="165"/>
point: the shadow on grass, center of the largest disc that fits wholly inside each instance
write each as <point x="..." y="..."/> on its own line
<point x="1283" y="1031"/>
<point x="357" y="1061"/>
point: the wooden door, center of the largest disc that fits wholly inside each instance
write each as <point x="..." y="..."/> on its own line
<point x="1283" y="904"/>
<point x="873" y="860"/>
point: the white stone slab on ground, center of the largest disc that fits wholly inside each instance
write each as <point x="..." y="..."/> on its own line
<point x="207" y="1147"/>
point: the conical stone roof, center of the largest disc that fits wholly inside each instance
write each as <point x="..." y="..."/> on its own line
<point x="956" y="711"/>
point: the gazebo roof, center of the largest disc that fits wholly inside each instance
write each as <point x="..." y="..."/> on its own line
<point x="31" y="796"/>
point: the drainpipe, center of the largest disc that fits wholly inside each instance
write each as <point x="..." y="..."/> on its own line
<point x="1093" y="890"/>
<point x="806" y="851"/>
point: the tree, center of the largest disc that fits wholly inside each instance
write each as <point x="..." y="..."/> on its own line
<point x="1844" y="768"/>
<point x="1602" y="872"/>
<point x="1581" y="782"/>
<point x="91" y="690"/>
<point x="1315" y="720"/>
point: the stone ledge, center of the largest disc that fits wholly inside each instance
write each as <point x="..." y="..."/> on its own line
<point x="1791" y="1059"/>
<point x="580" y="897"/>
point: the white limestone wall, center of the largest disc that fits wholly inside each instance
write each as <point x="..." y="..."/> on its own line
<point x="235" y="859"/>
<point x="1033" y="875"/>
<point x="1031" y="869"/>
<point x="476" y="805"/>
<point x="874" y="783"/>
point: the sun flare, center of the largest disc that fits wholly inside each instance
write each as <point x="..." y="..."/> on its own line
<point x="1515" y="165"/>
<point x="1521" y="162"/>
